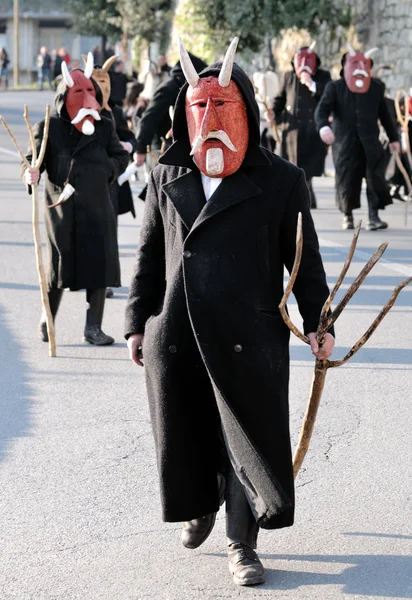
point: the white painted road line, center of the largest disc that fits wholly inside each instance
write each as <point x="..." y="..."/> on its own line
<point x="384" y="262"/>
<point x="5" y="151"/>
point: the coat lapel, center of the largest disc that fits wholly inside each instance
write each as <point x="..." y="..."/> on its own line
<point x="187" y="196"/>
<point x="231" y="191"/>
<point x="84" y="141"/>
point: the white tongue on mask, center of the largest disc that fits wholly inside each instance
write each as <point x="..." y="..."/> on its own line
<point x="87" y="127"/>
<point x="214" y="161"/>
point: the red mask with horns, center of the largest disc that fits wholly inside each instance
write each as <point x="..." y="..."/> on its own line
<point x="357" y="70"/>
<point x="305" y="60"/>
<point x="216" y="117"/>
<point x="81" y="104"/>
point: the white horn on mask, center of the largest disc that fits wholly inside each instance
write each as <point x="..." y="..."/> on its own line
<point x="88" y="69"/>
<point x="227" y="67"/>
<point x="188" y="69"/>
<point x="352" y="52"/>
<point x="311" y="47"/>
<point x="66" y="75"/>
<point x="369" y="53"/>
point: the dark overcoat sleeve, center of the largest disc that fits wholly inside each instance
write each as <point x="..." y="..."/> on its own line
<point x="149" y="280"/>
<point x="38" y="130"/>
<point x="321" y="83"/>
<point x="118" y="157"/>
<point x="155" y="114"/>
<point x="280" y="100"/>
<point x="122" y="128"/>
<point x="387" y="121"/>
<point x="326" y="106"/>
<point x="310" y="289"/>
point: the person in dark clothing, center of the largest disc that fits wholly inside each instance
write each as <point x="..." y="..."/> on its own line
<point x="83" y="157"/>
<point x="44" y="63"/>
<point x="4" y="64"/>
<point x="135" y="106"/>
<point x="294" y="109"/>
<point x="357" y="102"/>
<point x="118" y="84"/>
<point x="219" y="226"/>
<point x="121" y="195"/>
<point x="156" y="121"/>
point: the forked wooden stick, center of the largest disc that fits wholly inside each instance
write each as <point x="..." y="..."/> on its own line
<point x="326" y="321"/>
<point x="403" y="119"/>
<point x="35" y="164"/>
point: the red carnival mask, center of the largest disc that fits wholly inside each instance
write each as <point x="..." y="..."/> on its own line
<point x="81" y="104"/>
<point x="306" y="60"/>
<point x="357" y="70"/>
<point x="216" y="118"/>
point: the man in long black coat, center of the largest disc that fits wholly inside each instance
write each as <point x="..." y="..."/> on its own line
<point x="357" y="151"/>
<point x="294" y="109"/>
<point x="203" y="311"/>
<point x="81" y="230"/>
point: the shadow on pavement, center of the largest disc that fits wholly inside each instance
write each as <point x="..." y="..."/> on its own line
<point x="376" y="576"/>
<point x="369" y="576"/>
<point x="16" y="395"/>
<point x="5" y="285"/>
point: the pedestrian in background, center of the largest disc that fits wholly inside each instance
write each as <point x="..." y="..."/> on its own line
<point x="118" y="82"/>
<point x="44" y="63"/>
<point x="357" y="102"/>
<point x="4" y="62"/>
<point x="294" y="109"/>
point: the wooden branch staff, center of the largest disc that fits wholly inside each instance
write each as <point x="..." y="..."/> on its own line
<point x="36" y="162"/>
<point x="327" y="319"/>
<point x="263" y="100"/>
<point x="403" y="119"/>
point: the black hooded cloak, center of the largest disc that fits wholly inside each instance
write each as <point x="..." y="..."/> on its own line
<point x="81" y="233"/>
<point x="205" y="292"/>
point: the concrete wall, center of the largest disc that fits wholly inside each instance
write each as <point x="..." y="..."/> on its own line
<point x="387" y="24"/>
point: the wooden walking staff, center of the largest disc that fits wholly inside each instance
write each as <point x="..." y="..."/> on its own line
<point x="36" y="162"/>
<point x="327" y="319"/>
<point x="403" y="119"/>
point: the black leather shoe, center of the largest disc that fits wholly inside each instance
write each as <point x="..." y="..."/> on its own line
<point x="245" y="566"/>
<point x="376" y="224"/>
<point x="347" y="222"/>
<point x="109" y="293"/>
<point x="42" y="331"/>
<point x="195" y="532"/>
<point x="94" y="335"/>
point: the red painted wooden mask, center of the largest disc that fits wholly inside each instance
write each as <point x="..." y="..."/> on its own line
<point x="81" y="104"/>
<point x="357" y="70"/>
<point x="305" y="60"/>
<point x="216" y="117"/>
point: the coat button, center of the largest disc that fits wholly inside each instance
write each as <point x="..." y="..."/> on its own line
<point x="172" y="349"/>
<point x="187" y="254"/>
<point x="238" y="348"/>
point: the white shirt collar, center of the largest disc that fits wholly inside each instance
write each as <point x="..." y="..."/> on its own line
<point x="210" y="185"/>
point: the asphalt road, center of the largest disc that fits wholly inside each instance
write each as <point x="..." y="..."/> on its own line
<point x="79" y="503"/>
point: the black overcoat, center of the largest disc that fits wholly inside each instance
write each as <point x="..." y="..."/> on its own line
<point x="294" y="109"/>
<point x="357" y="151"/>
<point x="81" y="233"/>
<point x="121" y="194"/>
<point x="205" y="292"/>
<point x="156" y="122"/>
